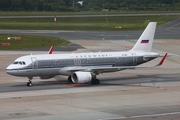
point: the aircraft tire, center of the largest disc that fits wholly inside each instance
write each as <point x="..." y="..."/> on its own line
<point x="95" y="82"/>
<point x="29" y="84"/>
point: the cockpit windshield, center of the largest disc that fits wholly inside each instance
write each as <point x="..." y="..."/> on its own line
<point x="19" y="63"/>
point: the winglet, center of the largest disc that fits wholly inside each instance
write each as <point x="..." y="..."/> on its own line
<point x="51" y="49"/>
<point x="162" y="61"/>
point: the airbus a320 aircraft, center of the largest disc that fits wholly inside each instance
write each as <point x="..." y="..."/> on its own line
<point x="84" y="67"/>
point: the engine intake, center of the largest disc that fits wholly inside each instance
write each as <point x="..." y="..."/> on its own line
<point x="81" y="77"/>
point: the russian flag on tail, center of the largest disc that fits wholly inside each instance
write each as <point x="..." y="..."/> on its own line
<point x="144" y="41"/>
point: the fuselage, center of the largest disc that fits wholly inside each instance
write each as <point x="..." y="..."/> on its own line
<point x="59" y="64"/>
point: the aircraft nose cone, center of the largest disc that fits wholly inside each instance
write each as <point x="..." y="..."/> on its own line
<point x="9" y="70"/>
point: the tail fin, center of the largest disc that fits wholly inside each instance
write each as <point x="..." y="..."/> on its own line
<point x="146" y="39"/>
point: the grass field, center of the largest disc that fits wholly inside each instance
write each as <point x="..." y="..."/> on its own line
<point x="35" y="13"/>
<point x="29" y="41"/>
<point x="84" y="23"/>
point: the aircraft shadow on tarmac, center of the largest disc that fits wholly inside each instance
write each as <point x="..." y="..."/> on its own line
<point x="116" y="81"/>
<point x="133" y="81"/>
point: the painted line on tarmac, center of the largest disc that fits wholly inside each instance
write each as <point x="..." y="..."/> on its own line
<point x="141" y="116"/>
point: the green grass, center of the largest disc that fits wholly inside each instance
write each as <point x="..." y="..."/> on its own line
<point x="80" y="13"/>
<point x="29" y="41"/>
<point x="84" y="23"/>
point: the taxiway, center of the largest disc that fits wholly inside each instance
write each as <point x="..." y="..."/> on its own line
<point x="142" y="94"/>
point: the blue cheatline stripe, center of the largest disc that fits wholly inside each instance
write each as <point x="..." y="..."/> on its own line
<point x="59" y="67"/>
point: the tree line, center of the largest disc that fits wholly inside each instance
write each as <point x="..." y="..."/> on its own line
<point x="89" y="5"/>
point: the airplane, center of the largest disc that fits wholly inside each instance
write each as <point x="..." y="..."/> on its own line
<point x="84" y="67"/>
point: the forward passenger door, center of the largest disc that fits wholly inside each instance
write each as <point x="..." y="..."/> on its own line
<point x="34" y="63"/>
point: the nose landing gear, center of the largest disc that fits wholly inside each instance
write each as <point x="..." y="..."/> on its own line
<point x="29" y="84"/>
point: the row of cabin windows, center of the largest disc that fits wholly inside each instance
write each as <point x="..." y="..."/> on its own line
<point x="57" y="62"/>
<point x="92" y="56"/>
<point x="75" y="60"/>
<point x="103" y="55"/>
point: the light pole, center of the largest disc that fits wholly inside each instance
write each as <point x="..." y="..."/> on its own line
<point x="73" y="4"/>
<point x="44" y="7"/>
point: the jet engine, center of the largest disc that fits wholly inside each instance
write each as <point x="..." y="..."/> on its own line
<point x="46" y="77"/>
<point x="81" y="77"/>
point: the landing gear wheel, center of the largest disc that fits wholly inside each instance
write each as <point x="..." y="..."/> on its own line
<point x="70" y="80"/>
<point x="29" y="84"/>
<point x="95" y="82"/>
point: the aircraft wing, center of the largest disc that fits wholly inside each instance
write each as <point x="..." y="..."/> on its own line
<point x="100" y="69"/>
<point x="95" y="69"/>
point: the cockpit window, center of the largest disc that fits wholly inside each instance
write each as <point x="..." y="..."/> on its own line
<point x="15" y="62"/>
<point x="19" y="63"/>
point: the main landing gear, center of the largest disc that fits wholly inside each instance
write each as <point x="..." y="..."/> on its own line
<point x="29" y="84"/>
<point x="95" y="81"/>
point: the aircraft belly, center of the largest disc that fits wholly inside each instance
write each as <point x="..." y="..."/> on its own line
<point x="49" y="71"/>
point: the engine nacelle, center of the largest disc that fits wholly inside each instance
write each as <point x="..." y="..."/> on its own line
<point x="46" y="77"/>
<point x="81" y="77"/>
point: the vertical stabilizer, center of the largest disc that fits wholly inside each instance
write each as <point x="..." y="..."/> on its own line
<point x="145" y="41"/>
